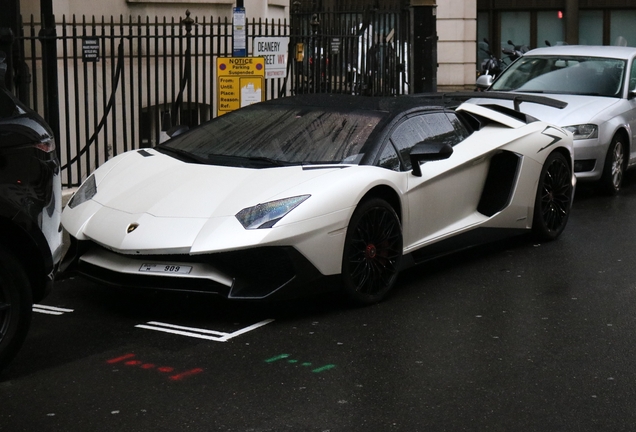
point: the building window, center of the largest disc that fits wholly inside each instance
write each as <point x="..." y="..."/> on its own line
<point x="622" y="30"/>
<point x="483" y="25"/>
<point x="591" y="27"/>
<point x="515" y="27"/>
<point x="550" y="28"/>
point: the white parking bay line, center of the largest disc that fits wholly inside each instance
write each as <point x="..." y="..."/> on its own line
<point x="50" y="310"/>
<point x="199" y="333"/>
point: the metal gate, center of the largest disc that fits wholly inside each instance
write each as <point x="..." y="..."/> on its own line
<point x="123" y="82"/>
<point x="349" y="47"/>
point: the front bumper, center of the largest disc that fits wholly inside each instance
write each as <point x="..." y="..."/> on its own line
<point x="589" y="159"/>
<point x="251" y="274"/>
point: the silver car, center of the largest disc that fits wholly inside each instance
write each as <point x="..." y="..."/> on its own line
<point x="599" y="85"/>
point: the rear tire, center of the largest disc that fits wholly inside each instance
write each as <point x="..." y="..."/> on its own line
<point x="614" y="167"/>
<point x="372" y="252"/>
<point x="554" y="198"/>
<point x="16" y="303"/>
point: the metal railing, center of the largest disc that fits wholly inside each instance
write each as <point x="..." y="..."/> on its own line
<point x="122" y="83"/>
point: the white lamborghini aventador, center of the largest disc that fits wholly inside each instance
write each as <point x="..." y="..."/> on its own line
<point x="315" y="192"/>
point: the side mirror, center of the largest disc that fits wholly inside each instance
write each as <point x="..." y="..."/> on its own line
<point x="484" y="81"/>
<point x="426" y="152"/>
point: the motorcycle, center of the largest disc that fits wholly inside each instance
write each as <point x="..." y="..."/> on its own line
<point x="492" y="66"/>
<point x="514" y="53"/>
<point x="489" y="68"/>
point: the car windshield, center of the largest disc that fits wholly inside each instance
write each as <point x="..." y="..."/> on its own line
<point x="266" y="135"/>
<point x="564" y="75"/>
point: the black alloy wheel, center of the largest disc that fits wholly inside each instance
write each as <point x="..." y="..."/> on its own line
<point x="15" y="306"/>
<point x="554" y="198"/>
<point x="614" y="168"/>
<point x="372" y="252"/>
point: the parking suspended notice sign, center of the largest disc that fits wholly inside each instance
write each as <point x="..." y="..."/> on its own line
<point x="240" y="82"/>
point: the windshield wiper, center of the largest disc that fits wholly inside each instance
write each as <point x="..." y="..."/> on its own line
<point x="270" y="161"/>
<point x="307" y="163"/>
<point x="181" y="154"/>
<point x="247" y="161"/>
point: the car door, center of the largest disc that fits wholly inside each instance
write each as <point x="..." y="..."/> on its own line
<point x="443" y="200"/>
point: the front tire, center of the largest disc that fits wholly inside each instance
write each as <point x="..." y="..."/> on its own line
<point x="554" y="198"/>
<point x="614" y="167"/>
<point x="16" y="302"/>
<point x="372" y="252"/>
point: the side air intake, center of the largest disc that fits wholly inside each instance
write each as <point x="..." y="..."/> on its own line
<point x="500" y="182"/>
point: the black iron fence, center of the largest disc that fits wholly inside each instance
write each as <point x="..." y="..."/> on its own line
<point x="122" y="83"/>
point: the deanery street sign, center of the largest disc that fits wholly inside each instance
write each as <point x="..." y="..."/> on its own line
<point x="274" y="50"/>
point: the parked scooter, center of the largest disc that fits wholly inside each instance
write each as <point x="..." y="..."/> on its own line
<point x="489" y="69"/>
<point x="514" y="53"/>
<point x="492" y="67"/>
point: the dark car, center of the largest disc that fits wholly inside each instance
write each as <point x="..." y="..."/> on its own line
<point x="30" y="212"/>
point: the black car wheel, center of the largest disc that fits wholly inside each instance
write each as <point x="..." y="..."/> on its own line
<point x="15" y="306"/>
<point x="554" y="198"/>
<point x="372" y="252"/>
<point x="614" y="168"/>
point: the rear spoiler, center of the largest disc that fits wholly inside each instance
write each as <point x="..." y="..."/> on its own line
<point x="517" y="98"/>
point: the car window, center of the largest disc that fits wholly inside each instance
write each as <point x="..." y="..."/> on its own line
<point x="285" y="134"/>
<point x="389" y="158"/>
<point x="443" y="127"/>
<point x="632" y="76"/>
<point x="564" y="75"/>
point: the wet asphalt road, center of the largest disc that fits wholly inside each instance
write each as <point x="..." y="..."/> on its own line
<point x="512" y="336"/>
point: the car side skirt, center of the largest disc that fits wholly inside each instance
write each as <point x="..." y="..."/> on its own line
<point x="467" y="240"/>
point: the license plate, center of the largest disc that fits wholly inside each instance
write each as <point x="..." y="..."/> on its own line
<point x="165" y="268"/>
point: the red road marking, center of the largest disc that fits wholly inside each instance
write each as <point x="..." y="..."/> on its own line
<point x="122" y="358"/>
<point x="182" y="375"/>
<point x="128" y="361"/>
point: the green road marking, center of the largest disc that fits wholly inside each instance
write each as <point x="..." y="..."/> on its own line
<point x="324" y="368"/>
<point x="293" y="361"/>
<point x="278" y="357"/>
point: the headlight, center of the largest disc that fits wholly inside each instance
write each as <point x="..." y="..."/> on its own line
<point x="86" y="191"/>
<point x="266" y="215"/>
<point x="584" y="131"/>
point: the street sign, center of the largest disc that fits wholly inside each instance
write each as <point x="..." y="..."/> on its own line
<point x="239" y="46"/>
<point x="90" y="49"/>
<point x="240" y="82"/>
<point x="274" y="50"/>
